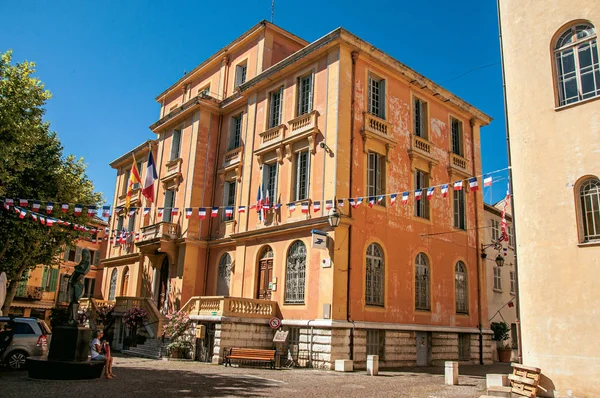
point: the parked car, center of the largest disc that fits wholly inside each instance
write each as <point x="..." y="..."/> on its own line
<point x="31" y="338"/>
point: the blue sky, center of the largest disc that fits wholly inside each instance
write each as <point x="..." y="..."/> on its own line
<point x="105" y="61"/>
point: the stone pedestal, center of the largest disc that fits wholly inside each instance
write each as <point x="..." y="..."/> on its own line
<point x="70" y="343"/>
<point x="344" y="365"/>
<point x="496" y="380"/>
<point x="451" y="373"/>
<point x="372" y="365"/>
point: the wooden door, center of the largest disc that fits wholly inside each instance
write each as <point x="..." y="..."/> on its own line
<point x="265" y="275"/>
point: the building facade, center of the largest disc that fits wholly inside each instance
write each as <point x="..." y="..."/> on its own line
<point x="45" y="287"/>
<point x="305" y="127"/>
<point x="501" y="281"/>
<point x="552" y="81"/>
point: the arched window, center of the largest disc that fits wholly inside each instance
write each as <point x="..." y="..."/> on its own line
<point x="422" y="282"/>
<point x="113" y="285"/>
<point x="589" y="202"/>
<point x="224" y="278"/>
<point x="125" y="283"/>
<point x="576" y="58"/>
<point x="295" y="274"/>
<point x="462" y="298"/>
<point x="375" y="275"/>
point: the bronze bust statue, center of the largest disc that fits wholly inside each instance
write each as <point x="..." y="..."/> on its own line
<point x="76" y="285"/>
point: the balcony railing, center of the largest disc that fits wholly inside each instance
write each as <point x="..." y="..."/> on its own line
<point x="30" y="292"/>
<point x="154" y="321"/>
<point x="303" y="123"/>
<point x="233" y="156"/>
<point x="421" y="144"/>
<point x="230" y="306"/>
<point x="376" y="125"/>
<point x="273" y="134"/>
<point x="458" y="162"/>
<point x="162" y="229"/>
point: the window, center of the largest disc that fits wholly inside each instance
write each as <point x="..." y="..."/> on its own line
<point x="23" y="328"/>
<point x="295" y="273"/>
<point x="375" y="275"/>
<point x="270" y="182"/>
<point x="422" y="205"/>
<point x="375" y="174"/>
<point x="50" y="279"/>
<point x="175" y="144"/>
<point x="120" y="222"/>
<point x="457" y="136"/>
<point x="131" y="223"/>
<point x="125" y="282"/>
<point x="589" y="202"/>
<point x="229" y="197"/>
<point x="377" y="97"/>
<point x="462" y="298"/>
<point x="511" y="236"/>
<point x="577" y="70"/>
<point x="139" y="169"/>
<point x="205" y="91"/>
<point x="422" y="282"/>
<point x="63" y="292"/>
<point x="376" y="343"/>
<point x="513" y="336"/>
<point x="464" y="347"/>
<point x="240" y="74"/>
<point x="460" y="219"/>
<point x="224" y="279"/>
<point x="420" y="118"/>
<point x="125" y="181"/>
<point x="495" y="229"/>
<point x="69" y="253"/>
<point x="513" y="282"/>
<point x="235" y="132"/>
<point x="275" y="107"/>
<point x="293" y="344"/>
<point x="305" y="94"/>
<point x="113" y="285"/>
<point x="302" y="173"/>
<point x="497" y="279"/>
<point x="169" y="204"/>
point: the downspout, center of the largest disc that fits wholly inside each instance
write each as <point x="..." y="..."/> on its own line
<point x="477" y="246"/>
<point x="352" y="101"/>
<point x="512" y="202"/>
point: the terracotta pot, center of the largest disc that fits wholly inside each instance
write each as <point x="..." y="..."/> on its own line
<point x="176" y="354"/>
<point x="504" y="354"/>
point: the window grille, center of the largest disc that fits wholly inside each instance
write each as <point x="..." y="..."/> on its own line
<point x="462" y="298"/>
<point x="375" y="276"/>
<point x="376" y="343"/>
<point x="589" y="197"/>
<point x="295" y="274"/>
<point x="422" y="283"/>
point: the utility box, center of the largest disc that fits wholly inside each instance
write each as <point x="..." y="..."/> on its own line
<point x="200" y="331"/>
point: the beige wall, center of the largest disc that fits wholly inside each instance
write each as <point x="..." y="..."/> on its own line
<point x="551" y="150"/>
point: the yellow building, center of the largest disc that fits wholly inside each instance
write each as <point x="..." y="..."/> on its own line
<point x="305" y="125"/>
<point x="552" y="77"/>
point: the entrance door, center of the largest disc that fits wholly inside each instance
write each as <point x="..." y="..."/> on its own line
<point x="422" y="349"/>
<point x="265" y="274"/>
<point x="163" y="286"/>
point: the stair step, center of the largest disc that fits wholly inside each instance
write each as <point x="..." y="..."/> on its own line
<point x="136" y="354"/>
<point x="499" y="391"/>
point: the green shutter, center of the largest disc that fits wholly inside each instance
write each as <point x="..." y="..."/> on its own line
<point x="22" y="285"/>
<point x="67" y="250"/>
<point x="45" y="279"/>
<point x="78" y="255"/>
<point x="53" y="280"/>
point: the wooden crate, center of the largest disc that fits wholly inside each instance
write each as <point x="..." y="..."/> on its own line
<point x="524" y="380"/>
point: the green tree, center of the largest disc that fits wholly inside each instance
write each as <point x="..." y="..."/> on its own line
<point x="33" y="166"/>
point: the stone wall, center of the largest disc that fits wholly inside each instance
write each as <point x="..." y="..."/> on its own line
<point x="444" y="347"/>
<point x="488" y="346"/>
<point x="245" y="335"/>
<point x="400" y="349"/>
<point x="325" y="345"/>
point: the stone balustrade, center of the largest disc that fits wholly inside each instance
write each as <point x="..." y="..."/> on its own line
<point x="376" y="125"/>
<point x="303" y="123"/>
<point x="233" y="156"/>
<point x="273" y="134"/>
<point x="458" y="162"/>
<point x="230" y="306"/>
<point x="162" y="229"/>
<point x="421" y="144"/>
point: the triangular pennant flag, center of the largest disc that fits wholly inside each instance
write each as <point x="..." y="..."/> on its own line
<point x="291" y="207"/>
<point x="241" y="209"/>
<point x="42" y="220"/>
<point x="458" y="185"/>
<point x="49" y="207"/>
<point x="359" y="202"/>
<point x="473" y="184"/>
<point x="188" y="212"/>
<point x="229" y="211"/>
<point x="214" y="212"/>
<point x="444" y="190"/>
<point x="430" y="192"/>
<point x="22" y="213"/>
<point x="487" y="180"/>
<point x="160" y="212"/>
<point x="371" y="201"/>
<point x="174" y="211"/>
<point x="202" y="213"/>
<point x="393" y="199"/>
<point x="352" y="202"/>
<point x="304" y="207"/>
<point x="146" y="211"/>
<point x="405" y="197"/>
<point x="418" y="194"/>
<point x="328" y="204"/>
<point x="340" y="202"/>
<point x="380" y="199"/>
<point x="316" y="206"/>
<point x="36" y="205"/>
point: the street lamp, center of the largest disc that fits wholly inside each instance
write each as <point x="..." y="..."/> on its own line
<point x="498" y="246"/>
<point x="499" y="260"/>
<point x="334" y="217"/>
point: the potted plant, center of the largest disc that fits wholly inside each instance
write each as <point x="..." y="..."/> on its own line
<point x="175" y="328"/>
<point x="134" y="318"/>
<point x="501" y="330"/>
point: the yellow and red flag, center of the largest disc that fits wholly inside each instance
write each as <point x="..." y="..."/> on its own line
<point x="134" y="178"/>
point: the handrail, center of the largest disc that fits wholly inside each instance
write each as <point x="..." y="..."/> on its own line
<point x="230" y="306"/>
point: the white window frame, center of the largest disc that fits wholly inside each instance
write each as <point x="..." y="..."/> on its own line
<point x="297" y="194"/>
<point x="495" y="229"/>
<point x="588" y="199"/>
<point x="513" y="282"/>
<point x="236" y="122"/>
<point x="241" y="71"/>
<point x="376" y="106"/>
<point x="309" y="97"/>
<point x="497" y="279"/>
<point x="421" y="106"/>
<point x="275" y="110"/>
<point x="176" y="144"/>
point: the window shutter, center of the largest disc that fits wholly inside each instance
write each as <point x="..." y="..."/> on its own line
<point x="382" y="99"/>
<point x="67" y="250"/>
<point x="78" y="255"/>
<point x="45" y="279"/>
<point x="53" y="280"/>
<point x="175" y="143"/>
<point x="370" y="95"/>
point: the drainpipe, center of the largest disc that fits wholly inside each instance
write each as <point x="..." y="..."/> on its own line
<point x="512" y="202"/>
<point x="477" y="246"/>
<point x="352" y="101"/>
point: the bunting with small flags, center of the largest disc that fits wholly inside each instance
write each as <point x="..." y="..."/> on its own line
<point x="316" y="206"/>
<point x="214" y="212"/>
<point x="430" y="192"/>
<point x="36" y="206"/>
<point x="473" y="184"/>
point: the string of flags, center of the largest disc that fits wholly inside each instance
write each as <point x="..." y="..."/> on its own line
<point x="263" y="204"/>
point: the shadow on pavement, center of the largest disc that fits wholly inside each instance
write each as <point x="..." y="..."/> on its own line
<point x="476" y="371"/>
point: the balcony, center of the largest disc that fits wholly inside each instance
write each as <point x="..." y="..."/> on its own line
<point x="421" y="154"/>
<point x="272" y="135"/>
<point x="376" y="125"/>
<point x="29" y="292"/>
<point x="172" y="176"/>
<point x="161" y="230"/>
<point x="458" y="165"/>
<point x="230" y="306"/>
<point x="303" y="124"/>
<point x="135" y="198"/>
<point x="379" y="131"/>
<point x="233" y="157"/>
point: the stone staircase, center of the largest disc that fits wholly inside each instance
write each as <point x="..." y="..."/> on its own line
<point x="152" y="349"/>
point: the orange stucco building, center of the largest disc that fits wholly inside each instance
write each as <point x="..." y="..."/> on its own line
<point x="303" y="124"/>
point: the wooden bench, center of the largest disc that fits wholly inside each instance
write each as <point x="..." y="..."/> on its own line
<point x="251" y="354"/>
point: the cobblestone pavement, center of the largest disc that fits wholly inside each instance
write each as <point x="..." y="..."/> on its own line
<point x="137" y="377"/>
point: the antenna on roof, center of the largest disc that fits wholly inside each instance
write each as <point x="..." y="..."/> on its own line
<point x="272" y="10"/>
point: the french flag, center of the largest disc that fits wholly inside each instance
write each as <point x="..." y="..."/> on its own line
<point x="267" y="203"/>
<point x="458" y="185"/>
<point x="371" y="201"/>
<point x="23" y="202"/>
<point x="22" y="213"/>
<point x="160" y="212"/>
<point x="241" y="209"/>
<point x="36" y="206"/>
<point x="174" y="211"/>
<point x="105" y="211"/>
<point x="49" y="207"/>
<point x="291" y="207"/>
<point x="473" y="184"/>
<point x="444" y="190"/>
<point x="340" y="202"/>
<point x="202" y="213"/>
<point x="328" y="204"/>
<point x="259" y="200"/>
<point x="380" y="199"/>
<point x="430" y="192"/>
<point x="49" y="222"/>
<point x="78" y="210"/>
<point x="34" y="216"/>
<point x="418" y="194"/>
<point x="405" y="197"/>
<point x="277" y="206"/>
<point x="151" y="176"/>
<point x="487" y="180"/>
<point x="91" y="211"/>
<point x="132" y="212"/>
<point x="305" y="207"/>
<point x="229" y="211"/>
<point x="316" y="206"/>
<point x="42" y="220"/>
<point x="146" y="211"/>
<point x="214" y="212"/>
<point x="188" y="213"/>
<point x="9" y="201"/>
<point x="64" y="207"/>
<point x="393" y="199"/>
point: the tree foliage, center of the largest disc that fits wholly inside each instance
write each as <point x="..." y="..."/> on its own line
<point x="33" y="167"/>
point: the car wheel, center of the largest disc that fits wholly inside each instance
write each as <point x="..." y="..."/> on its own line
<point x="17" y="360"/>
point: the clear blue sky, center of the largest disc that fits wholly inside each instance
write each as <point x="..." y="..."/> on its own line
<point x="105" y="61"/>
